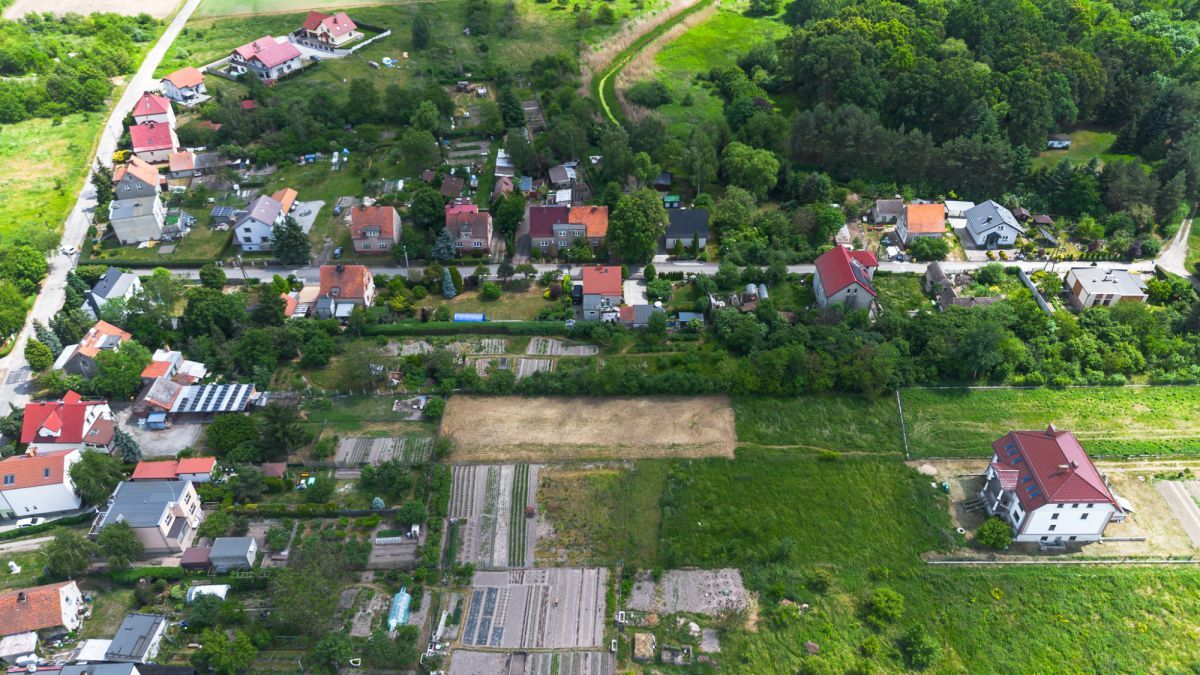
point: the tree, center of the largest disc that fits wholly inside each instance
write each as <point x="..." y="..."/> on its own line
<point x="249" y="483"/>
<point x="419" y="147"/>
<point x="427" y="118"/>
<point x="102" y="181"/>
<point x="421" y="32"/>
<point x="448" y="289"/>
<point x="427" y="210"/>
<point x="411" y="513"/>
<point x="120" y="545"/>
<point x="700" y="158"/>
<point x="526" y="270"/>
<point x="212" y="277"/>
<point x="510" y="212"/>
<point x="510" y="108"/>
<point x="95" y="476"/>
<point x="38" y="355"/>
<point x="919" y="648"/>
<point x="68" y="554"/>
<point x="229" y="431"/>
<point x="659" y="289"/>
<point x="648" y="272"/>
<point x="656" y="325"/>
<point x="119" y="371"/>
<point x="333" y="651"/>
<point x="281" y="429"/>
<point x="48" y="338"/>
<point x="23" y="266"/>
<point x="12" y="310"/>
<point x="127" y="446"/>
<point x="990" y="274"/>
<point x="505" y="271"/>
<point x="319" y="568"/>
<point x="223" y="655"/>
<point x="443" y="249"/>
<point x="755" y="170"/>
<point x="290" y="244"/>
<point x="995" y="534"/>
<point x="205" y="612"/>
<point x="927" y="248"/>
<point x="637" y="223"/>
<point x="362" y="366"/>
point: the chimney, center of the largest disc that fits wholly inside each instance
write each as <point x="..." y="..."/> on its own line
<point x="1051" y="431"/>
<point x="341" y="268"/>
<point x="31" y="452"/>
<point x="21" y="598"/>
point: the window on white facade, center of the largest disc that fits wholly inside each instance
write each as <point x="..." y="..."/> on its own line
<point x="1053" y="528"/>
<point x="1083" y="517"/>
<point x="1054" y="517"/>
<point x="1074" y="506"/>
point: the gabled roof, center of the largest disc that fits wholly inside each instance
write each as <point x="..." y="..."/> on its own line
<point x="184" y="160"/>
<point x="141" y="504"/>
<point x="888" y="207"/>
<point x="64" y="418"/>
<point x="151" y="104"/>
<point x="101" y="337"/>
<point x="687" y="223"/>
<point x="1052" y="468"/>
<point x="988" y="216"/>
<point x="171" y="470"/>
<point x="264" y="209"/>
<point x="542" y="220"/>
<point x="138" y="168"/>
<point x="351" y="281"/>
<point x="381" y="218"/>
<point x="114" y="284"/>
<point x="478" y="221"/>
<point x="336" y="24"/>
<point x="36" y="470"/>
<point x="602" y="280"/>
<point x="151" y="136"/>
<point x="135" y="637"/>
<point x="267" y="51"/>
<point x="593" y="218"/>
<point x="286" y="197"/>
<point x="32" y="609"/>
<point x="289" y="304"/>
<point x="452" y="186"/>
<point x="185" y="77"/>
<point x="842" y="267"/>
<point x="925" y="218"/>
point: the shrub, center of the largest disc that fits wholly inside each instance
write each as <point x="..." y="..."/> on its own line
<point x="131" y="576"/>
<point x="924" y="248"/>
<point x="490" y="290"/>
<point x="994" y="534"/>
<point x="919" y="649"/>
<point x="648" y="94"/>
<point x="821" y="580"/>
<point x="885" y="606"/>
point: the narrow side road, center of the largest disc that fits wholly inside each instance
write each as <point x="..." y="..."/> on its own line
<point x="1173" y="256"/>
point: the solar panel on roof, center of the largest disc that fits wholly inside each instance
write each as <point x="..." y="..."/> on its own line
<point x="222" y="211"/>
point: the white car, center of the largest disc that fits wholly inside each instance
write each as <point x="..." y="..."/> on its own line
<point x="29" y="522"/>
<point x="69" y="251"/>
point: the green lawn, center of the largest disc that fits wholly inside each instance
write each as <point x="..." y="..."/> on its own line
<point x="901" y="291"/>
<point x="512" y="305"/>
<point x="706" y="46"/>
<point x="828" y="422"/>
<point x="1086" y="145"/>
<point x="1108" y="421"/>
<point x="203" y="243"/>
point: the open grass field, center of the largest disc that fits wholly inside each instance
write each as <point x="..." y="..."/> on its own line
<point x="828" y="422"/>
<point x="1110" y="422"/>
<point x="539" y="429"/>
<point x="42" y="167"/>
<point x="901" y="291"/>
<point x="204" y="243"/>
<point x="155" y="8"/>
<point x="700" y="49"/>
<point x="239" y="7"/>
<point x="601" y="515"/>
<point x="1086" y="145"/>
<point x="519" y="305"/>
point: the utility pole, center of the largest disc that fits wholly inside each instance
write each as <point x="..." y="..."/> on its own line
<point x="406" y="270"/>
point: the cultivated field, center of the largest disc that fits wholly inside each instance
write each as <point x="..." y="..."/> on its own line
<point x="543" y="429"/>
<point x="542" y="609"/>
<point x="1108" y="421"/>
<point x="155" y="8"/>
<point x="236" y="7"/>
<point x="489" y="504"/>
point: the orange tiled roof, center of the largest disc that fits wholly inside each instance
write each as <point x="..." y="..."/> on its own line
<point x="594" y="218"/>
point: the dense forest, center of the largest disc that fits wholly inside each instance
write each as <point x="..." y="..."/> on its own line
<point x="53" y="66"/>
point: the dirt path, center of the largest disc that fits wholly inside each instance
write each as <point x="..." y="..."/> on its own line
<point x="23" y="545"/>
<point x="1173" y="257"/>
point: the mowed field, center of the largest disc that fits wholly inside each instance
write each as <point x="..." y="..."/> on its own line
<point x="235" y="7"/>
<point x="1118" y="421"/>
<point x="486" y="429"/>
<point x="42" y="167"/>
<point x="155" y="8"/>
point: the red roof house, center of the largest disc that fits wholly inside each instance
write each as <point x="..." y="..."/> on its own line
<point x="41" y="608"/>
<point x="542" y="220"/>
<point x="333" y="29"/>
<point x="348" y="283"/>
<point x="195" y="469"/>
<point x="71" y="423"/>
<point x="153" y="108"/>
<point x="267" y="58"/>
<point x="153" y="141"/>
<point x="844" y="277"/>
<point x="374" y="229"/>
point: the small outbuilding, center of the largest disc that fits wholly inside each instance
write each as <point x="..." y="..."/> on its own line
<point x="233" y="553"/>
<point x="137" y="639"/>
<point x="216" y="590"/>
<point x="196" y="558"/>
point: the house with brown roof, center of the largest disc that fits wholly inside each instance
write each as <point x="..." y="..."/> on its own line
<point x="267" y="58"/>
<point x="153" y="108"/>
<point x="471" y="229"/>
<point x="45" y="610"/>
<point x="334" y="30"/>
<point x="185" y="86"/>
<point x="344" y="287"/>
<point x="68" y="424"/>
<point x="80" y="358"/>
<point x="921" y="220"/>
<point x="1045" y="486"/>
<point x="171" y="364"/>
<point x="543" y="221"/>
<point x="594" y="220"/>
<point x="38" y="483"/>
<point x="153" y="141"/>
<point x="136" y="178"/>
<point x="195" y="469"/>
<point x="374" y="230"/>
<point x="452" y="186"/>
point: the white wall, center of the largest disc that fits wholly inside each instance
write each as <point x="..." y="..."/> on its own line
<point x="1073" y="520"/>
<point x="42" y="500"/>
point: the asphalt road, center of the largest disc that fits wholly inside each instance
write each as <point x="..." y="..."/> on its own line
<point x="14" y="371"/>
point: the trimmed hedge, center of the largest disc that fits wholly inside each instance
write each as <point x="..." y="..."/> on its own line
<point x="301" y="511"/>
<point x="133" y="575"/>
<point x="46" y="527"/>
<point x="485" y="328"/>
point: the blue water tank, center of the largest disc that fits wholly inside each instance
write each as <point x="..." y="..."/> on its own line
<point x="468" y="317"/>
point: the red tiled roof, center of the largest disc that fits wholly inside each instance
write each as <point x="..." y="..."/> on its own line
<point x="248" y="104"/>
<point x="151" y="104"/>
<point x="136" y="166"/>
<point x="286" y="197"/>
<point x="65" y="417"/>
<point x="94" y="340"/>
<point x="594" y="218"/>
<point x="267" y="51"/>
<point x="289" y="304"/>
<point x="197" y="465"/>
<point x="185" y="77"/>
<point x="837" y="269"/>
<point x="32" y="609"/>
<point x="42" y="468"/>
<point x="156" y="369"/>
<point x="154" y="471"/>
<point x="274" y="469"/>
<point x="337" y="24"/>
<point x="184" y="160"/>
<point x="925" y="218"/>
<point x="351" y="280"/>
<point x="602" y="280"/>
<point x="1052" y="468"/>
<point x="479" y="222"/>
<point x="151" y="136"/>
<point x="382" y="217"/>
<point x="452" y="209"/>
<point x="542" y="220"/>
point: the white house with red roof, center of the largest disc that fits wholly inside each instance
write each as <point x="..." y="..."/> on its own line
<point x="195" y="469"/>
<point x="152" y="107"/>
<point x="69" y="424"/>
<point x="1045" y="486"/>
<point x="153" y="142"/>
<point x="603" y="291"/>
<point x="334" y="30"/>
<point x="267" y="58"/>
<point x="844" y="278"/>
<point x="185" y="86"/>
<point x="38" y="483"/>
<point x="48" y="609"/>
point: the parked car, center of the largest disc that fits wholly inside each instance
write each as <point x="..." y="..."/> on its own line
<point x="337" y="253"/>
<point x="30" y="522"/>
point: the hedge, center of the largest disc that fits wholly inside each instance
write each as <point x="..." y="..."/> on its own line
<point x="301" y="511"/>
<point x="485" y="328"/>
<point x="80" y="519"/>
<point x="133" y="575"/>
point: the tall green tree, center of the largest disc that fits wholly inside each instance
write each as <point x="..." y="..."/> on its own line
<point x="281" y="429"/>
<point x="68" y="554"/>
<point x="95" y="476"/>
<point x="23" y="266"/>
<point x="290" y="244"/>
<point x="636" y="225"/>
<point x="421" y="31"/>
<point x="212" y="276"/>
<point x="120" y="545"/>
<point x="119" y="371"/>
<point x="126" y="446"/>
<point x="755" y="170"/>
<point x="224" y="655"/>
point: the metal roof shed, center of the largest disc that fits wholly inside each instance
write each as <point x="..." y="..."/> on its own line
<point x="230" y="553"/>
<point x="137" y="639"/>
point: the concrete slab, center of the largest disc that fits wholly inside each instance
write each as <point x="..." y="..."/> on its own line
<point x="305" y="214"/>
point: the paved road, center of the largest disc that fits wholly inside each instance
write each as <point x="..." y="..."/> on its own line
<point x="14" y="371"/>
<point x="1181" y="497"/>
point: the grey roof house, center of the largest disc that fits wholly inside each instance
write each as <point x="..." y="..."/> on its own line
<point x="137" y="639"/>
<point x="253" y="231"/>
<point x="686" y="225"/>
<point x="886" y="210"/>
<point x="990" y="225"/>
<point x="114" y="284"/>
<point x="233" y="553"/>
<point x="164" y="514"/>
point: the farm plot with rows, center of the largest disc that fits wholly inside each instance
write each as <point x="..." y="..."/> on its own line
<point x="491" y="505"/>
<point x="559" y="608"/>
<point x="1109" y="421"/>
<point x="358" y="450"/>
<point x="493" y="428"/>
